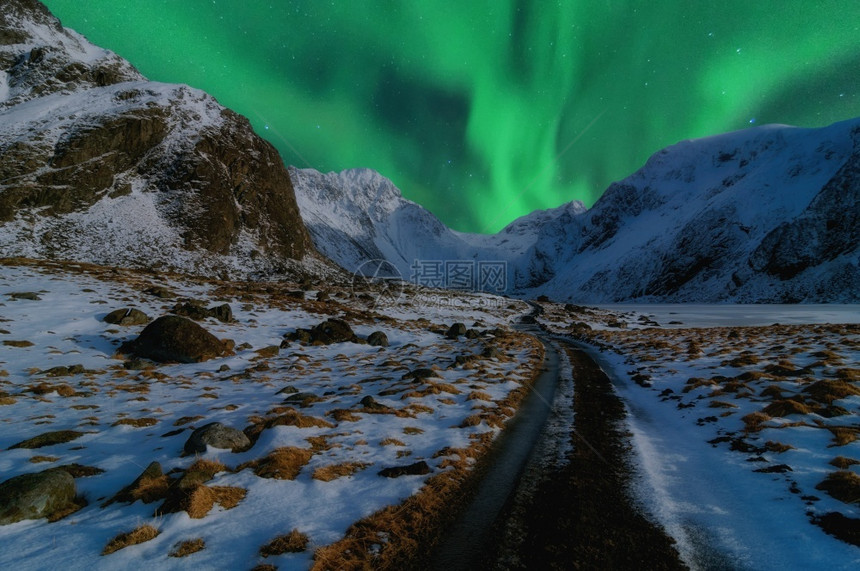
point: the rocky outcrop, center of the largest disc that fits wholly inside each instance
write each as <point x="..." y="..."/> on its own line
<point x="98" y="164"/>
<point x="34" y="496"/>
<point x="216" y="435"/>
<point x="171" y="338"/>
<point x="828" y="228"/>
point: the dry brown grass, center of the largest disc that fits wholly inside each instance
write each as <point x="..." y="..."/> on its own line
<point x="843" y="463"/>
<point x="281" y="464"/>
<point x="777" y="447"/>
<point x="228" y="497"/>
<point x="335" y="471"/>
<point x="843" y="485"/>
<point x="186" y="419"/>
<point x="479" y="395"/>
<point x="140" y="534"/>
<point x="15" y="343"/>
<point x="38" y="459"/>
<point x="187" y="547"/>
<point x="848" y="374"/>
<point x="204" y="469"/>
<point x="827" y="391"/>
<point x="391" y="442"/>
<point x="286" y="417"/>
<point x="843" y="435"/>
<point x="293" y="542"/>
<point x="721" y="404"/>
<point x="413" y="429"/>
<point x="344" y="415"/>
<point x="786" y="407"/>
<point x="136" y="422"/>
<point x="754" y="420"/>
<point x="696" y="382"/>
<point x="319" y="443"/>
<point x="417" y="408"/>
<point x="198" y="502"/>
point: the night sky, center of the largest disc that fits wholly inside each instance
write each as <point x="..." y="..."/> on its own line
<point x="483" y="111"/>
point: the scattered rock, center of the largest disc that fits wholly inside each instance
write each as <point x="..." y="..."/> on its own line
<point x="216" y="435"/>
<point x="333" y="331"/>
<point x="775" y="469"/>
<point x="377" y="339"/>
<point x="63" y="371"/>
<point x="419" y="374"/>
<point x="134" y="365"/>
<point x="456" y="330"/>
<point x="150" y="486"/>
<point x="370" y="403"/>
<point x="160" y="292"/>
<point x="268" y="352"/>
<point x="198" y="312"/>
<point x="173" y="338"/>
<point x="16" y="343"/>
<point x="34" y="496"/>
<point x="29" y="295"/>
<point x="843" y="485"/>
<point x="49" y="439"/>
<point x="416" y="469"/>
<point x="323" y="296"/>
<point x="840" y="526"/>
<point x="127" y="317"/>
<point x="491" y="353"/>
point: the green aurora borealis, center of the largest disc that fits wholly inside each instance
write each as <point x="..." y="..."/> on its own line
<point x="483" y="111"/>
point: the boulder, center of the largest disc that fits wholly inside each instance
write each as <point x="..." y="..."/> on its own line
<point x="216" y="435"/>
<point x="419" y="375"/>
<point x="333" y="331"/>
<point x="456" y="330"/>
<point x="417" y="469"/>
<point x="171" y="338"/>
<point x="34" y="496"/>
<point x="126" y="317"/>
<point x="377" y="339"/>
<point x="198" y="311"/>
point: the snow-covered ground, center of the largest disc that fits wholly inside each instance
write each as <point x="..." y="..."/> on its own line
<point x="134" y="417"/>
<point x="734" y="427"/>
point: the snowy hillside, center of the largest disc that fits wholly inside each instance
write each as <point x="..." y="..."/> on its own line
<point x="763" y="215"/>
<point x="99" y="165"/>
<point x="767" y="214"/>
<point x="358" y="215"/>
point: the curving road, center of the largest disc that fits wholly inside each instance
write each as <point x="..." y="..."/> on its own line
<point x="556" y="494"/>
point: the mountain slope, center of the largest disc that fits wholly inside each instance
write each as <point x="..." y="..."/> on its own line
<point x="770" y="214"/>
<point x="97" y="164"/>
<point x="767" y="214"/>
<point x="358" y="215"/>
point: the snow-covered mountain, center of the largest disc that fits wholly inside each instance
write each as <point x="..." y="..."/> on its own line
<point x="769" y="214"/>
<point x="98" y="164"/>
<point x="358" y="215"/>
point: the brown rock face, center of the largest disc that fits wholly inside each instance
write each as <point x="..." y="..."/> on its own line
<point x="114" y="169"/>
<point x="175" y="339"/>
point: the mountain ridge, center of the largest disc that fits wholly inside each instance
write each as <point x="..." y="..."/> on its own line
<point x="767" y="214"/>
<point x="97" y="164"/>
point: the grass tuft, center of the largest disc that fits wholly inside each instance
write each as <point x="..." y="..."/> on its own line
<point x="138" y="535"/>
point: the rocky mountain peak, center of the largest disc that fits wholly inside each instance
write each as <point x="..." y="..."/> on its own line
<point x="97" y="164"/>
<point x="40" y="57"/>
